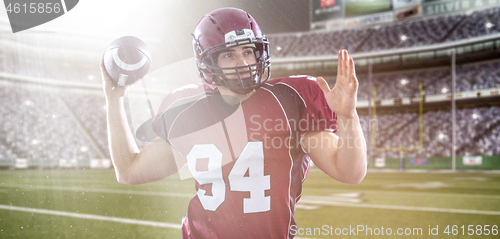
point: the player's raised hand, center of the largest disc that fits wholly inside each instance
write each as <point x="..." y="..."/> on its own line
<point x="110" y="90"/>
<point x="342" y="97"/>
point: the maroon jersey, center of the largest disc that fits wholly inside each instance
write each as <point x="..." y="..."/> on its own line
<point x="246" y="157"/>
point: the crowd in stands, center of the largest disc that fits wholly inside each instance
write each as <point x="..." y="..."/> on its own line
<point x="38" y="125"/>
<point x="434" y="81"/>
<point x="91" y="114"/>
<point x="478" y="23"/>
<point x="44" y="123"/>
<point x="53" y="124"/>
<point x="421" y="31"/>
<point x="477" y="133"/>
<point x="411" y="33"/>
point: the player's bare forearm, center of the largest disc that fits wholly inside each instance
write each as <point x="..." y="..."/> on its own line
<point x="132" y="166"/>
<point x="351" y="150"/>
<point x="342" y="156"/>
<point x="121" y="145"/>
<point x="154" y="162"/>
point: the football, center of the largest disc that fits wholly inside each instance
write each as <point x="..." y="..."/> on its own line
<point x="127" y="59"/>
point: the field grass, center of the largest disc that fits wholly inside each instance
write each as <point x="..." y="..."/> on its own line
<point x="366" y="6"/>
<point x="91" y="204"/>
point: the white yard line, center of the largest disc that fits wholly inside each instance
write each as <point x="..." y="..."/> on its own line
<point x="92" y="217"/>
<point x="382" y="192"/>
<point x="96" y="190"/>
<point x="396" y="207"/>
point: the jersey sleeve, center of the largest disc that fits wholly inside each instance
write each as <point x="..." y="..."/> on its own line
<point x="174" y="104"/>
<point x="316" y="115"/>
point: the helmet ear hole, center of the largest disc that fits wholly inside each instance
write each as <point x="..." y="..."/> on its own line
<point x="202" y="65"/>
<point x="257" y="55"/>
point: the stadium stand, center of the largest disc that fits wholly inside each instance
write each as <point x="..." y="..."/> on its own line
<point x="477" y="24"/>
<point x="477" y="76"/>
<point x="411" y="33"/>
<point x="32" y="117"/>
<point x="36" y="125"/>
<point x="477" y="132"/>
<point x="91" y="112"/>
<point x="39" y="123"/>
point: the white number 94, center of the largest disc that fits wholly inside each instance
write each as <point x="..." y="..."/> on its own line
<point x="251" y="160"/>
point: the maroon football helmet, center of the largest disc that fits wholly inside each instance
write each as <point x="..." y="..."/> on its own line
<point x="226" y="28"/>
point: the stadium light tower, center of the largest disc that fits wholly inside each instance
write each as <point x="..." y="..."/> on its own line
<point x="453" y="109"/>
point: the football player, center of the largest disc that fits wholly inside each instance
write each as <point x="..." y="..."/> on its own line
<point x="248" y="141"/>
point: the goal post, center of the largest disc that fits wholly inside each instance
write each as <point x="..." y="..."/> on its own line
<point x="400" y="149"/>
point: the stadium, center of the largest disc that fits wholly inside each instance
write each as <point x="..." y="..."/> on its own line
<point x="429" y="102"/>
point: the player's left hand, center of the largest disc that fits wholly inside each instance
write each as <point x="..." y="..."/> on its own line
<point x="342" y="97"/>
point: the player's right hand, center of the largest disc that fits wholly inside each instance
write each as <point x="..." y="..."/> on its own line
<point x="343" y="96"/>
<point x="110" y="90"/>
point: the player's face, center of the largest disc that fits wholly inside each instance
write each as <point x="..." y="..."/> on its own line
<point x="237" y="57"/>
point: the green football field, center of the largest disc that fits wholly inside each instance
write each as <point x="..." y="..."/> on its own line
<point x="91" y="204"/>
<point x="366" y="6"/>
